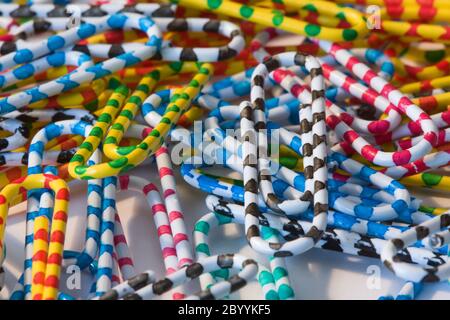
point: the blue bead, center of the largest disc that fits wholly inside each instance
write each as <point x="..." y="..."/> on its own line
<point x="47" y="212"/>
<point x="129" y="59"/>
<point x="6" y="107"/>
<point x="86" y="30"/>
<point x="29" y="238"/>
<point x="146" y="108"/>
<point x="186" y="169"/>
<point x="299" y="183"/>
<point x="24" y="72"/>
<point x="222" y="84"/>
<point x="331" y="93"/>
<point x="34" y="170"/>
<point x="37" y="147"/>
<point x="363" y="212"/>
<point x="366" y="172"/>
<point x="68" y="84"/>
<point x="333" y="196"/>
<point x="238" y="193"/>
<point x="98" y="71"/>
<point x="52" y="131"/>
<point x="117" y="21"/>
<point x="22" y="56"/>
<point x="28" y="263"/>
<point x="368" y="192"/>
<point x="80" y="128"/>
<point x="372" y="55"/>
<point x="344" y="221"/>
<point x="249" y="72"/>
<point x="241" y="88"/>
<point x="296" y="144"/>
<point x="388" y="68"/>
<point x="399" y="206"/>
<point x="51" y="169"/>
<point x="145" y="24"/>
<point x="279" y="187"/>
<point x="84" y="260"/>
<point x="154" y="41"/>
<point x="56" y="59"/>
<point x="393" y="186"/>
<point x="83" y="58"/>
<point x="36" y="95"/>
<point x="376" y="230"/>
<point x="55" y="42"/>
<point x="334" y="184"/>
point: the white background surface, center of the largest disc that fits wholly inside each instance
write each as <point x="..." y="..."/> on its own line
<point x="317" y="274"/>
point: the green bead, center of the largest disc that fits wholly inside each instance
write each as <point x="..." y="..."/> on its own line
<point x="144" y="88"/>
<point x="113" y="83"/>
<point x="155" y="75"/>
<point x="349" y="34"/>
<point x="194" y="83"/>
<point x="204" y="248"/>
<point x="265" y="277"/>
<point x="118" y="163"/>
<point x="118" y="126"/>
<point x="96" y="132"/>
<point x="288" y="162"/>
<point x="77" y="158"/>
<point x="87" y="145"/>
<point x="113" y="103"/>
<point x="175" y="97"/>
<point x="110" y="140"/>
<point x="426" y="209"/>
<point x="123" y="90"/>
<point x="341" y="16"/>
<point x="80" y="170"/>
<point x="310" y="7"/>
<point x="155" y="133"/>
<point x="312" y="30"/>
<point x="279" y="273"/>
<point x="173" y="108"/>
<point x="246" y="11"/>
<point x="266" y="232"/>
<point x="104" y="117"/>
<point x="222" y="219"/>
<point x="214" y="4"/>
<point x="435" y="56"/>
<point x="431" y="179"/>
<point x="203" y="71"/>
<point x="135" y="100"/>
<point x="165" y="120"/>
<point x="127" y="113"/>
<point x="125" y="150"/>
<point x="143" y="146"/>
<point x="176" y="66"/>
<point x="222" y="273"/>
<point x="202" y="226"/>
<point x="272" y="295"/>
<point x="285" y="292"/>
<point x="277" y="19"/>
<point x="92" y="105"/>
